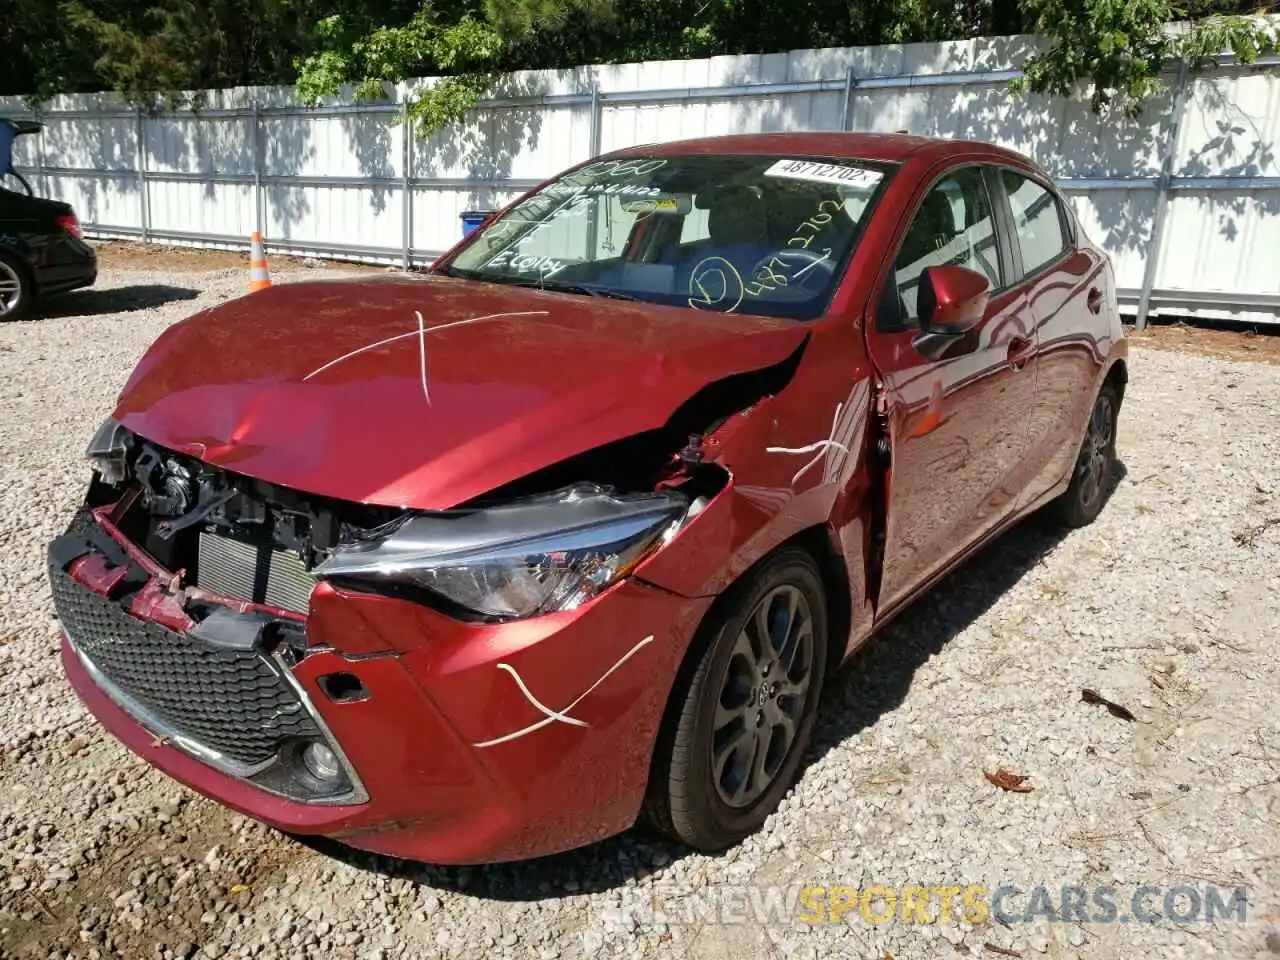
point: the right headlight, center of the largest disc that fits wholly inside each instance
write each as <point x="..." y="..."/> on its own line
<point x="517" y="559"/>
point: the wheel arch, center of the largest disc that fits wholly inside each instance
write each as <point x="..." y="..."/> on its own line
<point x="27" y="272"/>
<point x="1118" y="374"/>
<point x="818" y="542"/>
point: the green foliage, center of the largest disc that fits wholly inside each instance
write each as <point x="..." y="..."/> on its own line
<point x="156" y="48"/>
<point x="1120" y="48"/>
<point x="1113" y="51"/>
<point x="1246" y="37"/>
<point x="466" y="49"/>
<point x="154" y="52"/>
<point x="517" y="19"/>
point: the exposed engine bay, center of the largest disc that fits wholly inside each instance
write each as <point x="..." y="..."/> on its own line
<point x="228" y="534"/>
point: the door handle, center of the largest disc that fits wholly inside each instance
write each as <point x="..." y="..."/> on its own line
<point x="1020" y="351"/>
<point x="1094" y="300"/>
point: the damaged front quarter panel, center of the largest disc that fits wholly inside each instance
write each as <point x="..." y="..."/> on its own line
<point x="793" y="460"/>
<point x="562" y="535"/>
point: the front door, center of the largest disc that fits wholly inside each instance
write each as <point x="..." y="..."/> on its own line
<point x="958" y="424"/>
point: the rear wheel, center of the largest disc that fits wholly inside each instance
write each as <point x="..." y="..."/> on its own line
<point x="1095" y="464"/>
<point x="738" y="726"/>
<point x="15" y="288"/>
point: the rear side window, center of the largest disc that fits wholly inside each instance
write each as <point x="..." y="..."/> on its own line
<point x="1038" y="221"/>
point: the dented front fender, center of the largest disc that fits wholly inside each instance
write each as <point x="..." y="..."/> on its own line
<point x="794" y="460"/>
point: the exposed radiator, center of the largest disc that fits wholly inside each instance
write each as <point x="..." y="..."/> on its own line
<point x="259" y="574"/>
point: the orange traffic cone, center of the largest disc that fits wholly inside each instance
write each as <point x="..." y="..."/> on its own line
<point x="259" y="279"/>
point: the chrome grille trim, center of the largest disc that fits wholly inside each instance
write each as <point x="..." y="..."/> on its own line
<point x="136" y="658"/>
<point x="158" y="726"/>
<point x="230" y="701"/>
<point x="161" y="728"/>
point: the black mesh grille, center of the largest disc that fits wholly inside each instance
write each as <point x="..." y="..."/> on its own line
<point x="231" y="701"/>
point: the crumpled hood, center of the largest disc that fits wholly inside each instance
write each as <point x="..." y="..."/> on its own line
<point x="332" y="387"/>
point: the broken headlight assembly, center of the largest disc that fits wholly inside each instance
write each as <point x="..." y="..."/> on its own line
<point x="518" y="559"/>
<point x="108" y="450"/>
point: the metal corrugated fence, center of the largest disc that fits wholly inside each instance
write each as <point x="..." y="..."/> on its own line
<point x="1186" y="198"/>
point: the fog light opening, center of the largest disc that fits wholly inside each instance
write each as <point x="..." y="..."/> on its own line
<point x="343" y="687"/>
<point x="321" y="762"/>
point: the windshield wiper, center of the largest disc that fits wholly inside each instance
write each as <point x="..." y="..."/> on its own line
<point x="536" y="283"/>
<point x="451" y="271"/>
<point x="539" y="283"/>
<point x="583" y="289"/>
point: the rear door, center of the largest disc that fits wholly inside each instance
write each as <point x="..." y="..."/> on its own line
<point x="957" y="424"/>
<point x="1064" y="282"/>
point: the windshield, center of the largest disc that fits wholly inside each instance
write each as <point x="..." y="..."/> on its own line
<point x="747" y="234"/>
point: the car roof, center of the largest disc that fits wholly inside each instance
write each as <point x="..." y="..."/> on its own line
<point x="882" y="147"/>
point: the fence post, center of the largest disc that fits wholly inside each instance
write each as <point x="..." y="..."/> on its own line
<point x="850" y="81"/>
<point x="255" y="135"/>
<point x="144" y="205"/>
<point x="597" y="120"/>
<point x="406" y="183"/>
<point x="40" y="164"/>
<point x="1162" y="198"/>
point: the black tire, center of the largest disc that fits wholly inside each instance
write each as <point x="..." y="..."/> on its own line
<point x="16" y="293"/>
<point x="1094" y="470"/>
<point x="691" y="798"/>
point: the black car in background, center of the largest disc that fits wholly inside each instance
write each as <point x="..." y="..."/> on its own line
<point x="41" y="249"/>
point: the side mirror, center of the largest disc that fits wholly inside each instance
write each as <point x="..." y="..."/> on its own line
<point x="952" y="299"/>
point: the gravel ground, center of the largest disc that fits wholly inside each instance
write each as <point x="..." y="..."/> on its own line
<point x="1168" y="605"/>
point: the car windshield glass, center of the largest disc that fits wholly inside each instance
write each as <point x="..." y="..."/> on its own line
<point x="734" y="234"/>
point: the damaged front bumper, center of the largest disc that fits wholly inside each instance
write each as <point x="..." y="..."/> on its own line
<point x="452" y="742"/>
<point x="221" y="690"/>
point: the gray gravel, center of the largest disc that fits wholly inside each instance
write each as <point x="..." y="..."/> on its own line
<point x="1168" y="605"/>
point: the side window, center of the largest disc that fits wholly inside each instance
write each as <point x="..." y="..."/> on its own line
<point x="953" y="225"/>
<point x="1037" y="221"/>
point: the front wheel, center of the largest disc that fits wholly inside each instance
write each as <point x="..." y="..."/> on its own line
<point x="738" y="727"/>
<point x="1095" y="463"/>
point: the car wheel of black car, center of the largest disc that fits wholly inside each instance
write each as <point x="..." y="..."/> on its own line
<point x="1095" y="464"/>
<point x="743" y="709"/>
<point x="15" y="288"/>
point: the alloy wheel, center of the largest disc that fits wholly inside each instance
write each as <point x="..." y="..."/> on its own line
<point x="1094" y="465"/>
<point x="10" y="289"/>
<point x="763" y="696"/>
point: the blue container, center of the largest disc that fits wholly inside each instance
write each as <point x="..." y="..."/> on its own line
<point x="472" y="219"/>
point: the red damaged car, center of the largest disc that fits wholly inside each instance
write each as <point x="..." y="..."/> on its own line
<point x="492" y="561"/>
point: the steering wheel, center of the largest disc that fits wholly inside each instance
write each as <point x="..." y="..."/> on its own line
<point x="802" y="265"/>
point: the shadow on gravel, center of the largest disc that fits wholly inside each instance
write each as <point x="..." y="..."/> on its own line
<point x="874" y="681"/>
<point x="85" y="303"/>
